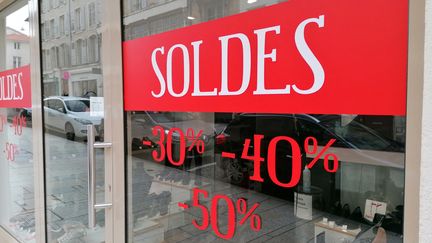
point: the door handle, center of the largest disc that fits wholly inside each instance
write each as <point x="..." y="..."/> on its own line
<point x="91" y="159"/>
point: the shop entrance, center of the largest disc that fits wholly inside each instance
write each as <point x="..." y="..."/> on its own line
<point x="115" y="173"/>
<point x="82" y="121"/>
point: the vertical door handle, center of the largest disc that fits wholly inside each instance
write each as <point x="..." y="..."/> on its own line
<point x="91" y="159"/>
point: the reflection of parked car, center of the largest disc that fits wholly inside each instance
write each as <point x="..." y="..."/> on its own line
<point x="27" y="114"/>
<point x="353" y="135"/>
<point x="89" y="94"/>
<point x="69" y="115"/>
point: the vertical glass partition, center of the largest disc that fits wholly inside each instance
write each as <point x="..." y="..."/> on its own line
<point x="72" y="94"/>
<point x="16" y="151"/>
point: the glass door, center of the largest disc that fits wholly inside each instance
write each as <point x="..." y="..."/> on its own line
<point x="77" y="175"/>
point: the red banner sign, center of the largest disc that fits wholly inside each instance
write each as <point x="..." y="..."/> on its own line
<point x="15" y="88"/>
<point x="318" y="56"/>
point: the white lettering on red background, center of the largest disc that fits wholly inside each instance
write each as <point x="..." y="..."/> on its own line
<point x="322" y="57"/>
<point x="15" y="88"/>
<point x="11" y="87"/>
<point x="166" y="81"/>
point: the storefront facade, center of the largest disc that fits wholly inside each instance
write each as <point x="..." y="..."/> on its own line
<point x="215" y="120"/>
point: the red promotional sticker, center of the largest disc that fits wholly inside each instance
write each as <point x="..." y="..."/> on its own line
<point x="317" y="57"/>
<point x="15" y="88"/>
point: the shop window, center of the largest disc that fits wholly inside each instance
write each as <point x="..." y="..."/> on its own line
<point x="370" y="149"/>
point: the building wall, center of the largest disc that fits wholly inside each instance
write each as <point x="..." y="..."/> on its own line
<point x="426" y="168"/>
<point x="23" y="52"/>
<point x="72" y="47"/>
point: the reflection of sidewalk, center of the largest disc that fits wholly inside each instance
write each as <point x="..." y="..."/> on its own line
<point x="67" y="187"/>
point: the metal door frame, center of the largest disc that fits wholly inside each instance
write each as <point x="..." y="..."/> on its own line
<point x="111" y="61"/>
<point x="112" y="70"/>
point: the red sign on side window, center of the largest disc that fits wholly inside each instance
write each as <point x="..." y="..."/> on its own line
<point x="15" y="88"/>
<point x="322" y="57"/>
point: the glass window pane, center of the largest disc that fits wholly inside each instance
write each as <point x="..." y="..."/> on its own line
<point x="16" y="150"/>
<point x="72" y="79"/>
<point x="174" y="156"/>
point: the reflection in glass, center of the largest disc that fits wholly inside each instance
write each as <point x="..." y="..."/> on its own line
<point x="72" y="82"/>
<point x="370" y="150"/>
<point x="16" y="166"/>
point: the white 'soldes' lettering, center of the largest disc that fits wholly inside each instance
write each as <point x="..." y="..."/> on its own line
<point x="11" y="87"/>
<point x="300" y="42"/>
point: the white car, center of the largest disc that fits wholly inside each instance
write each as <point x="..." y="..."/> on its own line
<point x="70" y="115"/>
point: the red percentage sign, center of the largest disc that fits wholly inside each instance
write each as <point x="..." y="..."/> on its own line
<point x="18" y="123"/>
<point x="11" y="151"/>
<point x="255" y="220"/>
<point x="320" y="153"/>
<point x="195" y="140"/>
<point x="211" y="216"/>
<point x="175" y="136"/>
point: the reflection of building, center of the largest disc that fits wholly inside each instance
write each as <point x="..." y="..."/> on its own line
<point x="71" y="39"/>
<point x="147" y="17"/>
<point x="246" y="5"/>
<point x="17" y="49"/>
